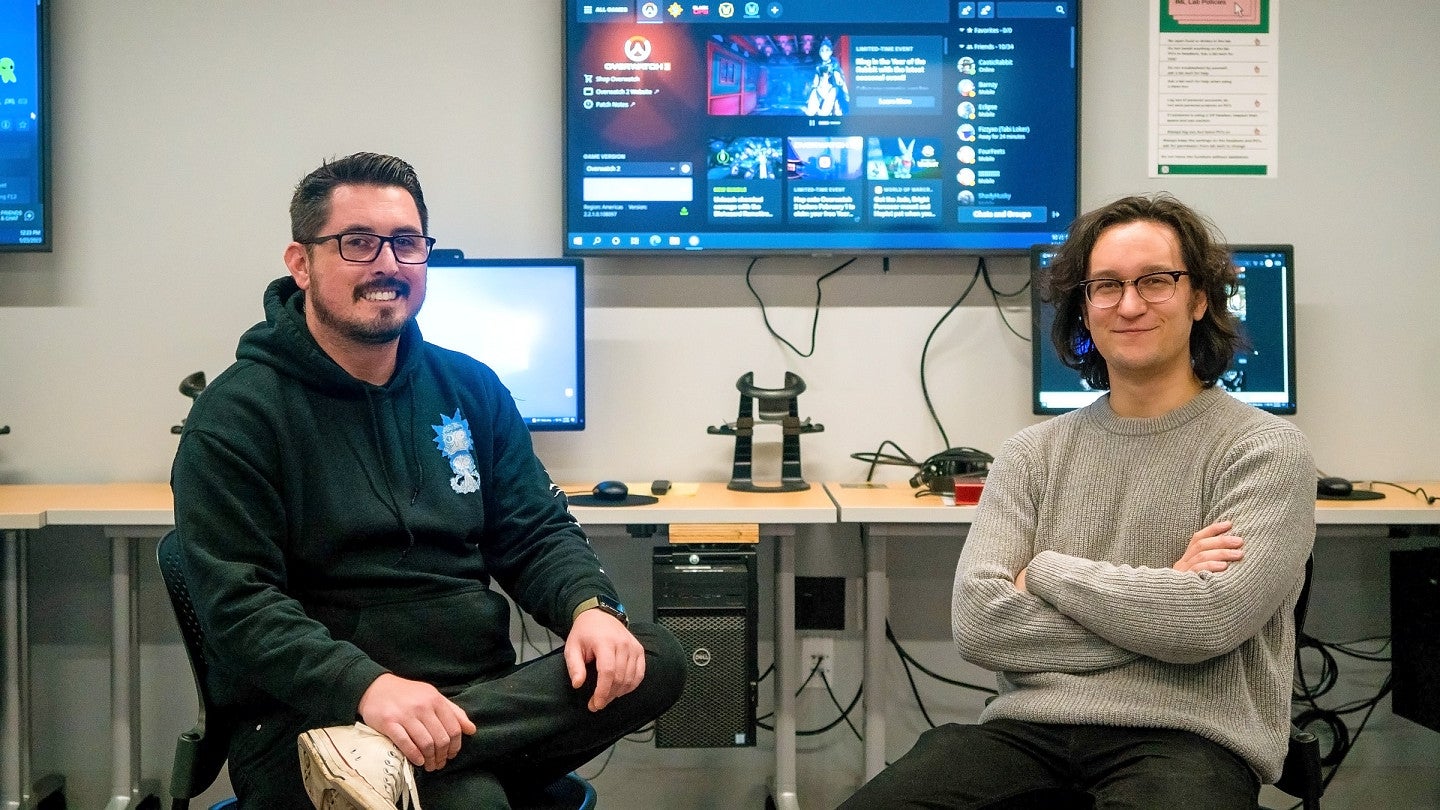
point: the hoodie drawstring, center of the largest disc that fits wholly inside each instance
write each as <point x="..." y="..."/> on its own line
<point x="389" y="497"/>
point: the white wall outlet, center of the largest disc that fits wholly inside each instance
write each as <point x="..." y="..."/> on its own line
<point x="813" y="649"/>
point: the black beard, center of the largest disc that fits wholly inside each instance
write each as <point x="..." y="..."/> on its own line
<point x="374" y="334"/>
<point x="377" y="332"/>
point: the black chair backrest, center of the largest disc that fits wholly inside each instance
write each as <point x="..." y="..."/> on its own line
<point x="1301" y="776"/>
<point x="200" y="752"/>
<point x="1303" y="603"/>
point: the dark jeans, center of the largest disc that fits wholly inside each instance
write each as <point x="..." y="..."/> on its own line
<point x="532" y="729"/>
<point x="1012" y="764"/>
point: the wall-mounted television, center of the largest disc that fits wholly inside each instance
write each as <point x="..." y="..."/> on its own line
<point x="1262" y="373"/>
<point x="25" y="126"/>
<point x="820" y="126"/>
<point x="524" y="318"/>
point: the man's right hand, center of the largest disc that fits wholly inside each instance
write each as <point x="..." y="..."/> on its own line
<point x="423" y="724"/>
<point x="1211" y="549"/>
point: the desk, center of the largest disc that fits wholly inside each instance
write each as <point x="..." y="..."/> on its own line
<point x="127" y="512"/>
<point x="130" y="512"/>
<point x="892" y="510"/>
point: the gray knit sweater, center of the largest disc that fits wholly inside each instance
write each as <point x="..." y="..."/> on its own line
<point x="1099" y="507"/>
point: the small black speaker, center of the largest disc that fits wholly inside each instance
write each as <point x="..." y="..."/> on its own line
<point x="706" y="596"/>
<point x="1415" y="635"/>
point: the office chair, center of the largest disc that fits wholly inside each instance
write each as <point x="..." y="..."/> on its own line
<point x="191" y="387"/>
<point x="1301" y="776"/>
<point x="569" y="792"/>
<point x="200" y="752"/>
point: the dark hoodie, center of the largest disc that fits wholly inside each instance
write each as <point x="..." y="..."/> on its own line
<point x="334" y="530"/>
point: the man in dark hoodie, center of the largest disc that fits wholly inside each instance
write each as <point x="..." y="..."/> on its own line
<point x="344" y="495"/>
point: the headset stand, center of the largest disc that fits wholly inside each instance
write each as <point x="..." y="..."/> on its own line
<point x="776" y="406"/>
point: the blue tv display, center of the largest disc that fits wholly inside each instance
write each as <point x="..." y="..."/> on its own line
<point x="24" y="127"/>
<point x="820" y="126"/>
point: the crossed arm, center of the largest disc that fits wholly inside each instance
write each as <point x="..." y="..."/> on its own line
<point x="1101" y="590"/>
<point x="1212" y="549"/>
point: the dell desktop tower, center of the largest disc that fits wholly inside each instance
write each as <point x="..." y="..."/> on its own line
<point x="706" y="596"/>
<point x="1415" y="635"/>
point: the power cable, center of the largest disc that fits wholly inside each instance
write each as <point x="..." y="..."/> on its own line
<point x="814" y="322"/>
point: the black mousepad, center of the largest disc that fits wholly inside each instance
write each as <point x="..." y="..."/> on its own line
<point x="630" y="500"/>
<point x="1355" y="495"/>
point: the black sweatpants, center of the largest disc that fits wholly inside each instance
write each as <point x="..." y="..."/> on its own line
<point x="532" y="728"/>
<point x="1014" y="764"/>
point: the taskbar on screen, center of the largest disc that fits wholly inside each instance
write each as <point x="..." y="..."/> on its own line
<point x="596" y="242"/>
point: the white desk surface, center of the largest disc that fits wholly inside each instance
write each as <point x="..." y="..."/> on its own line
<point x="35" y="505"/>
<point x="710" y="502"/>
<point x="126" y="504"/>
<point x="31" y="506"/>
<point x="895" y="502"/>
<point x="19" y="509"/>
<point x="1396" y="508"/>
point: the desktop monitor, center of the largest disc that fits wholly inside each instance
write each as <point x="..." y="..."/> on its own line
<point x="25" y="126"/>
<point x="820" y="126"/>
<point x="524" y="318"/>
<point x="1262" y="374"/>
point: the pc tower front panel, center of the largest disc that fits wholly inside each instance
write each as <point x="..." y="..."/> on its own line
<point x="706" y="596"/>
<point x="1415" y="635"/>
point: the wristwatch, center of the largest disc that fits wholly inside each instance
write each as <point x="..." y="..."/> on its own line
<point x="604" y="603"/>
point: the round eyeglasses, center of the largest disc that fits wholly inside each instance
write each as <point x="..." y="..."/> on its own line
<point x="1156" y="288"/>
<point x="358" y="246"/>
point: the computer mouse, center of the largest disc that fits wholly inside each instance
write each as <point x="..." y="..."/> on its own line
<point x="610" y="491"/>
<point x="1333" y="487"/>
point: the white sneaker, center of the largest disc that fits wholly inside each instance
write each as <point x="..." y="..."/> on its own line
<point x="355" y="768"/>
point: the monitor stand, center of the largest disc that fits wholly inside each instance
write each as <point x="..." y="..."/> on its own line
<point x="775" y="406"/>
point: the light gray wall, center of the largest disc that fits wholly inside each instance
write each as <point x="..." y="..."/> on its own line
<point x="180" y="128"/>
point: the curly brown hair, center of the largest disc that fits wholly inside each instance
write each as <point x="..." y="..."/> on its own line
<point x="1214" y="338"/>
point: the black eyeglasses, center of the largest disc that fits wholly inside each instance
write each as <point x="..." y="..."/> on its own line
<point x="1156" y="288"/>
<point x="357" y="246"/>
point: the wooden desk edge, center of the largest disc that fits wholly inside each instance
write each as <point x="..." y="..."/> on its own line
<point x="895" y="503"/>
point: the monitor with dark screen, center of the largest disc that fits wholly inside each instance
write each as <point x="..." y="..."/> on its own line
<point x="820" y="126"/>
<point x="524" y="318"/>
<point x="1262" y="374"/>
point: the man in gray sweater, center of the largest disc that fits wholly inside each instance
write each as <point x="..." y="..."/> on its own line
<point x="1133" y="567"/>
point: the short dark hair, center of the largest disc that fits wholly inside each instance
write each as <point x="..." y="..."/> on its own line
<point x="1214" y="338"/>
<point x="310" y="205"/>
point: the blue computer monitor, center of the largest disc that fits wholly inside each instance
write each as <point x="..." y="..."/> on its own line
<point x="1262" y="374"/>
<point x="25" y="219"/>
<point x="820" y="126"/>
<point x="524" y="318"/>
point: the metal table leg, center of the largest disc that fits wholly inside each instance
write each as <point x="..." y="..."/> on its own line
<point x="124" y="677"/>
<point x="127" y="789"/>
<point x="877" y="612"/>
<point x="20" y="789"/>
<point x="15" y="740"/>
<point x="787" y="655"/>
